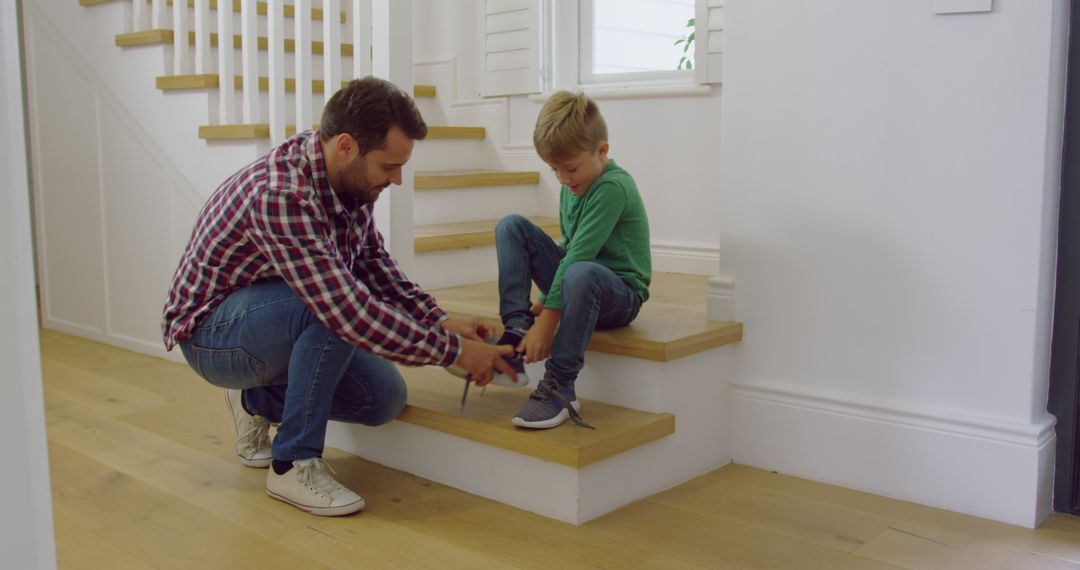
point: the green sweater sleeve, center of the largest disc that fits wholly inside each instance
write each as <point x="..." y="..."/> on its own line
<point x="603" y="207"/>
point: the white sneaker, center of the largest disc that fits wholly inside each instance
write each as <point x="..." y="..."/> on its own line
<point x="310" y="487"/>
<point x="252" y="433"/>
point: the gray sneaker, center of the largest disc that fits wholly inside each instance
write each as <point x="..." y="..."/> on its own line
<point x="549" y="406"/>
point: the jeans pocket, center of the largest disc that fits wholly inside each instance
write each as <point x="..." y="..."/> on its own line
<point x="227" y="367"/>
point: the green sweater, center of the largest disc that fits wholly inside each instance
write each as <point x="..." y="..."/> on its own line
<point x="607" y="225"/>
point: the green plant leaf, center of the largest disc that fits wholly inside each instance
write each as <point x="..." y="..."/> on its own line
<point x="691" y="37"/>
<point x="690" y="23"/>
<point x="679" y="41"/>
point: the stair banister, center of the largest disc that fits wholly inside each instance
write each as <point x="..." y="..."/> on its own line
<point x="361" y="37"/>
<point x="302" y="55"/>
<point x="202" y="35"/>
<point x="140" y="16"/>
<point x="392" y="59"/>
<point x="157" y="14"/>
<point x="226" y="64"/>
<point x="181" y="46"/>
<point x="249" y="61"/>
<point x="276" y="51"/>
<point x="332" y="48"/>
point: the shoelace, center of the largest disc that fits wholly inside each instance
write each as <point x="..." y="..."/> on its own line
<point x="257" y="435"/>
<point x="548" y="389"/>
<point x="315" y="474"/>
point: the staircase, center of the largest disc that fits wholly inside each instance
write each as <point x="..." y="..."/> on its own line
<point x="657" y="391"/>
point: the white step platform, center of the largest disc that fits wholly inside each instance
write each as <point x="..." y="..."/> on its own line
<point x="657" y="392"/>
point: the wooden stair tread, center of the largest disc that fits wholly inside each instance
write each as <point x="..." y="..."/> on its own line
<point x="471" y="178"/>
<point x="165" y="36"/>
<point x="211" y="80"/>
<point x="262" y="131"/>
<point x="434" y="401"/>
<point x="438" y="237"/>
<point x="672" y="324"/>
<point x="262" y="8"/>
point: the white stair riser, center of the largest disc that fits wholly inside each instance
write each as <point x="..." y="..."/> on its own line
<point x="449" y="205"/>
<point x="697" y="390"/>
<point x="438" y="269"/>
<point x="454" y="154"/>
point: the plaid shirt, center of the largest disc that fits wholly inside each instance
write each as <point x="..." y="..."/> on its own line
<point x="278" y="217"/>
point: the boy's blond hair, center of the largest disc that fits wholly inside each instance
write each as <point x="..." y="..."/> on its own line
<point x="569" y="124"/>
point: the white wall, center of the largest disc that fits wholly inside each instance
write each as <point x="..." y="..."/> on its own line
<point x="669" y="144"/>
<point x="119" y="172"/>
<point x="26" y="530"/>
<point x="889" y="191"/>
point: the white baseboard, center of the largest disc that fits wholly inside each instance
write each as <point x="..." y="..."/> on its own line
<point x="980" y="466"/>
<point x="142" y="346"/>
<point x="691" y="258"/>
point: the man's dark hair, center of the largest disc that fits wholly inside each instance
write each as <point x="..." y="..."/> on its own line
<point x="366" y="109"/>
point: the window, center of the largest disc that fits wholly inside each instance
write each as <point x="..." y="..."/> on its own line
<point x="635" y="40"/>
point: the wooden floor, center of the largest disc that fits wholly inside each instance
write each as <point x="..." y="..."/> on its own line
<point x="143" y="476"/>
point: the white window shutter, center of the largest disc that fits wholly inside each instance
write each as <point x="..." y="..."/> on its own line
<point x="512" y="52"/>
<point x="709" y="41"/>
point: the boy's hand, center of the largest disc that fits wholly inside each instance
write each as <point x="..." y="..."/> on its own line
<point x="537" y="308"/>
<point x="537" y="342"/>
<point x="480" y="359"/>
<point x="472" y="328"/>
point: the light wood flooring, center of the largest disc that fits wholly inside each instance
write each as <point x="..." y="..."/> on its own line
<point x="143" y="476"/>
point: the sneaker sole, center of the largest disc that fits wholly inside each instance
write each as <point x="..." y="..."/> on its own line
<point x="321" y="511"/>
<point x="549" y="423"/>
<point x="255" y="463"/>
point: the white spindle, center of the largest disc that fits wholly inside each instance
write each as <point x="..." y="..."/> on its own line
<point x="380" y="38"/>
<point x="181" y="46"/>
<point x="361" y="37"/>
<point x="276" y="30"/>
<point x="392" y="42"/>
<point x="331" y="47"/>
<point x="302" y="41"/>
<point x="140" y="16"/>
<point x="157" y="14"/>
<point x="249" y="36"/>
<point x="202" y="35"/>
<point x="226" y="64"/>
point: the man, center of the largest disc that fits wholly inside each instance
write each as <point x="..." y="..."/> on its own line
<point x="286" y="297"/>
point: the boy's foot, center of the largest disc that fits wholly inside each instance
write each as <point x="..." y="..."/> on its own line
<point x="517" y="362"/>
<point x="309" y="486"/>
<point x="252" y="432"/>
<point x="549" y="405"/>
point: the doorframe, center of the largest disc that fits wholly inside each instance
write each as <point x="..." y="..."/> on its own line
<point x="1064" y="395"/>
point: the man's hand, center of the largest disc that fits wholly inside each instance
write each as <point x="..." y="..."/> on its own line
<point x="537" y="342"/>
<point x="480" y="359"/>
<point x="472" y="328"/>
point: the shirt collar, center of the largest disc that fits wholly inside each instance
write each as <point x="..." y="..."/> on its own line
<point x="338" y="205"/>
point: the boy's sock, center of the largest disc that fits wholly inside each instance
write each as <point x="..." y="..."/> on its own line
<point x="511" y="336"/>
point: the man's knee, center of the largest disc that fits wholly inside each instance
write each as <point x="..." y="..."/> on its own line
<point x="389" y="403"/>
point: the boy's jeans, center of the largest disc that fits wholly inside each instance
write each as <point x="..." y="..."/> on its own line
<point x="593" y="296"/>
<point x="292" y="370"/>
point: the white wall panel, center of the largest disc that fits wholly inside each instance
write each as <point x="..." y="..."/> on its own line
<point x="139" y="262"/>
<point x="68" y="188"/>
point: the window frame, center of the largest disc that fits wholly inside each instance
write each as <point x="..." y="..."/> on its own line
<point x="584" y="45"/>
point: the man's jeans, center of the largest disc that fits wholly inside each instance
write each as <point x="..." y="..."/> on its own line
<point x="292" y="370"/>
<point x="593" y="296"/>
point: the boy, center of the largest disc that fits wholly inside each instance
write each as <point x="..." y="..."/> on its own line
<point x="598" y="277"/>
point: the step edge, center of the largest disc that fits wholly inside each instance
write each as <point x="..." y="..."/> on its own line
<point x="661" y="425"/>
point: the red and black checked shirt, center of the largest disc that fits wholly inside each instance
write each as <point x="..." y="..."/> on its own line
<point x="278" y="217"/>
